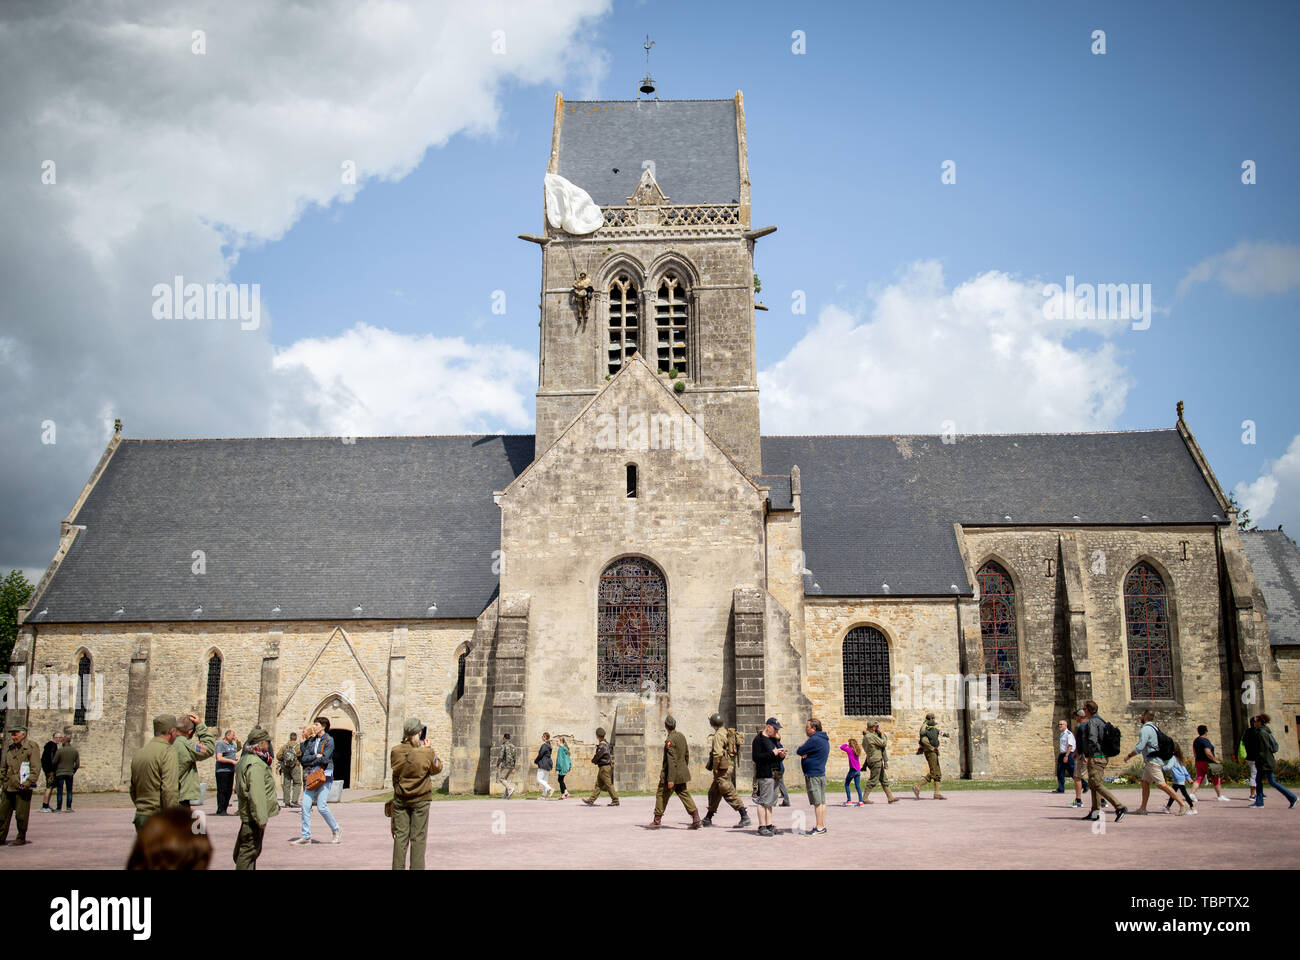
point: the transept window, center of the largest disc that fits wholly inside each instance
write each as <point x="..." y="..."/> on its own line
<point x="212" y="710"/>
<point x="83" y="690"/>
<point x="998" y="631"/>
<point x="1146" y="620"/>
<point x="632" y="628"/>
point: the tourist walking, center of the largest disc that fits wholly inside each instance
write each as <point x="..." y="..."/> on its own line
<point x="813" y="754"/>
<point x="1153" y="762"/>
<point x="1261" y="747"/>
<point x="289" y="766"/>
<point x="227" y="760"/>
<point x="1095" y="743"/>
<point x="604" y="761"/>
<point x="724" y="747"/>
<point x="194" y="743"/>
<point x="318" y="777"/>
<point x="544" y="763"/>
<point x="1080" y="761"/>
<point x="1244" y="757"/>
<point x="876" y="758"/>
<point x="20" y="773"/>
<point x="66" y="764"/>
<point x="766" y="753"/>
<point x="414" y="764"/>
<point x="563" y="764"/>
<point x="1207" y="764"/>
<point x="1065" y="750"/>
<point x="254" y="798"/>
<point x="507" y="760"/>
<point x="155" y="782"/>
<point x="47" y="767"/>
<point x="673" y="776"/>
<point x="1180" y="776"/>
<point x="854" y="776"/>
<point x="928" y="743"/>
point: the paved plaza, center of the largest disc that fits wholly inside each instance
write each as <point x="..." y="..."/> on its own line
<point x="971" y="830"/>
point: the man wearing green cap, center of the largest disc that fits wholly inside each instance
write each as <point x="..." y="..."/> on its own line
<point x="414" y="766"/>
<point x="674" y="776"/>
<point x="194" y="743"/>
<point x="18" y="776"/>
<point x="155" y="779"/>
<point x="255" y="797"/>
<point x="928" y="743"/>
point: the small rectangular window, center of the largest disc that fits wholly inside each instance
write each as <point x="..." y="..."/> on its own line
<point x="631" y="481"/>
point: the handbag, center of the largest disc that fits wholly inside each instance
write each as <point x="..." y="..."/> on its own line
<point x="1216" y="770"/>
<point x="316" y="779"/>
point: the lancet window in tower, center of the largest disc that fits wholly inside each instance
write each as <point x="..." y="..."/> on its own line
<point x="623" y="321"/>
<point x="672" y="314"/>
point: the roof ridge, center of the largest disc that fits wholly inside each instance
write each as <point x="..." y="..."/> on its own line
<point x="864" y="436"/>
<point x="658" y="100"/>
<point x="399" y="436"/>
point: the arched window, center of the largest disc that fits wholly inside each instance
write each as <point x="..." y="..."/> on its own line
<point x="623" y="324"/>
<point x="1146" y="620"/>
<point x="81" y="700"/>
<point x="998" y="630"/>
<point x="212" y="711"/>
<point x="460" y="675"/>
<point x="672" y="308"/>
<point x="866" y="673"/>
<point x="632" y="628"/>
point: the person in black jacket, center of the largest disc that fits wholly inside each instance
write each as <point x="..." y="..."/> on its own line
<point x="767" y="754"/>
<point x="47" y="767"/>
<point x="543" y="763"/>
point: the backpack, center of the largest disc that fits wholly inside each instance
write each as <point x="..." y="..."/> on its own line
<point x="732" y="745"/>
<point x="1164" y="744"/>
<point x="288" y="757"/>
<point x="1111" y="739"/>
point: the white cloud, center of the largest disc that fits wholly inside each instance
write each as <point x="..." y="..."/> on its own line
<point x="370" y="381"/>
<point x="981" y="355"/>
<point x="1251" y="268"/>
<point x="170" y="163"/>
<point x="1274" y="496"/>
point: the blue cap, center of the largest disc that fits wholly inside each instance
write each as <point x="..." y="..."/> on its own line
<point x="771" y="722"/>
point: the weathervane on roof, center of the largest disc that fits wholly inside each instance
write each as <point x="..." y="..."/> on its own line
<point x="647" y="82"/>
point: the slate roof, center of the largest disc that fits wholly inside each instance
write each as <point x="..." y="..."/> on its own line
<point x="317" y="526"/>
<point x="314" y="525"/>
<point x="1276" y="561"/>
<point x="880" y="510"/>
<point x="780" y="496"/>
<point x="693" y="145"/>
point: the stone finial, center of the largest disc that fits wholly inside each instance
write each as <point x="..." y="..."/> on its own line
<point x="1180" y="411"/>
<point x="117" y="425"/>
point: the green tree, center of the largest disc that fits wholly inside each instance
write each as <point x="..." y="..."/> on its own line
<point x="15" y="590"/>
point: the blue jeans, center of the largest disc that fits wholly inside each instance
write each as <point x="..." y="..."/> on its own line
<point x="319" y="796"/>
<point x="1063" y="768"/>
<point x="854" y="777"/>
<point x="1259" y="786"/>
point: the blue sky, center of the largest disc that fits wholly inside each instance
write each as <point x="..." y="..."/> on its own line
<point x="1122" y="167"/>
<point x="924" y="299"/>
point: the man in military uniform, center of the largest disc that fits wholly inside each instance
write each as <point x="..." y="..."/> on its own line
<point x="722" y="763"/>
<point x="603" y="758"/>
<point x="19" y="774"/>
<point x="414" y="766"/>
<point x="254" y="797"/>
<point x="876" y="759"/>
<point x="928" y="741"/>
<point x="194" y="742"/>
<point x="674" y="776"/>
<point x="507" y="759"/>
<point x="155" y="780"/>
<point x="290" y="770"/>
<point x="582" y="294"/>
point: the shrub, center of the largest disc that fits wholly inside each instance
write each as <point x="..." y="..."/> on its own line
<point x="680" y="386"/>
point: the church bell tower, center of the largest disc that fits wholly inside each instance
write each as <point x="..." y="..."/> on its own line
<point x="668" y="270"/>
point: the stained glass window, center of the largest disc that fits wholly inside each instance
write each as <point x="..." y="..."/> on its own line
<point x="632" y="628"/>
<point x="998" y="631"/>
<point x="1146" y="619"/>
<point x="866" y="673"/>
<point x="213" y="709"/>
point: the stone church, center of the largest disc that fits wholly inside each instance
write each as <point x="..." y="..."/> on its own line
<point x="649" y="550"/>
